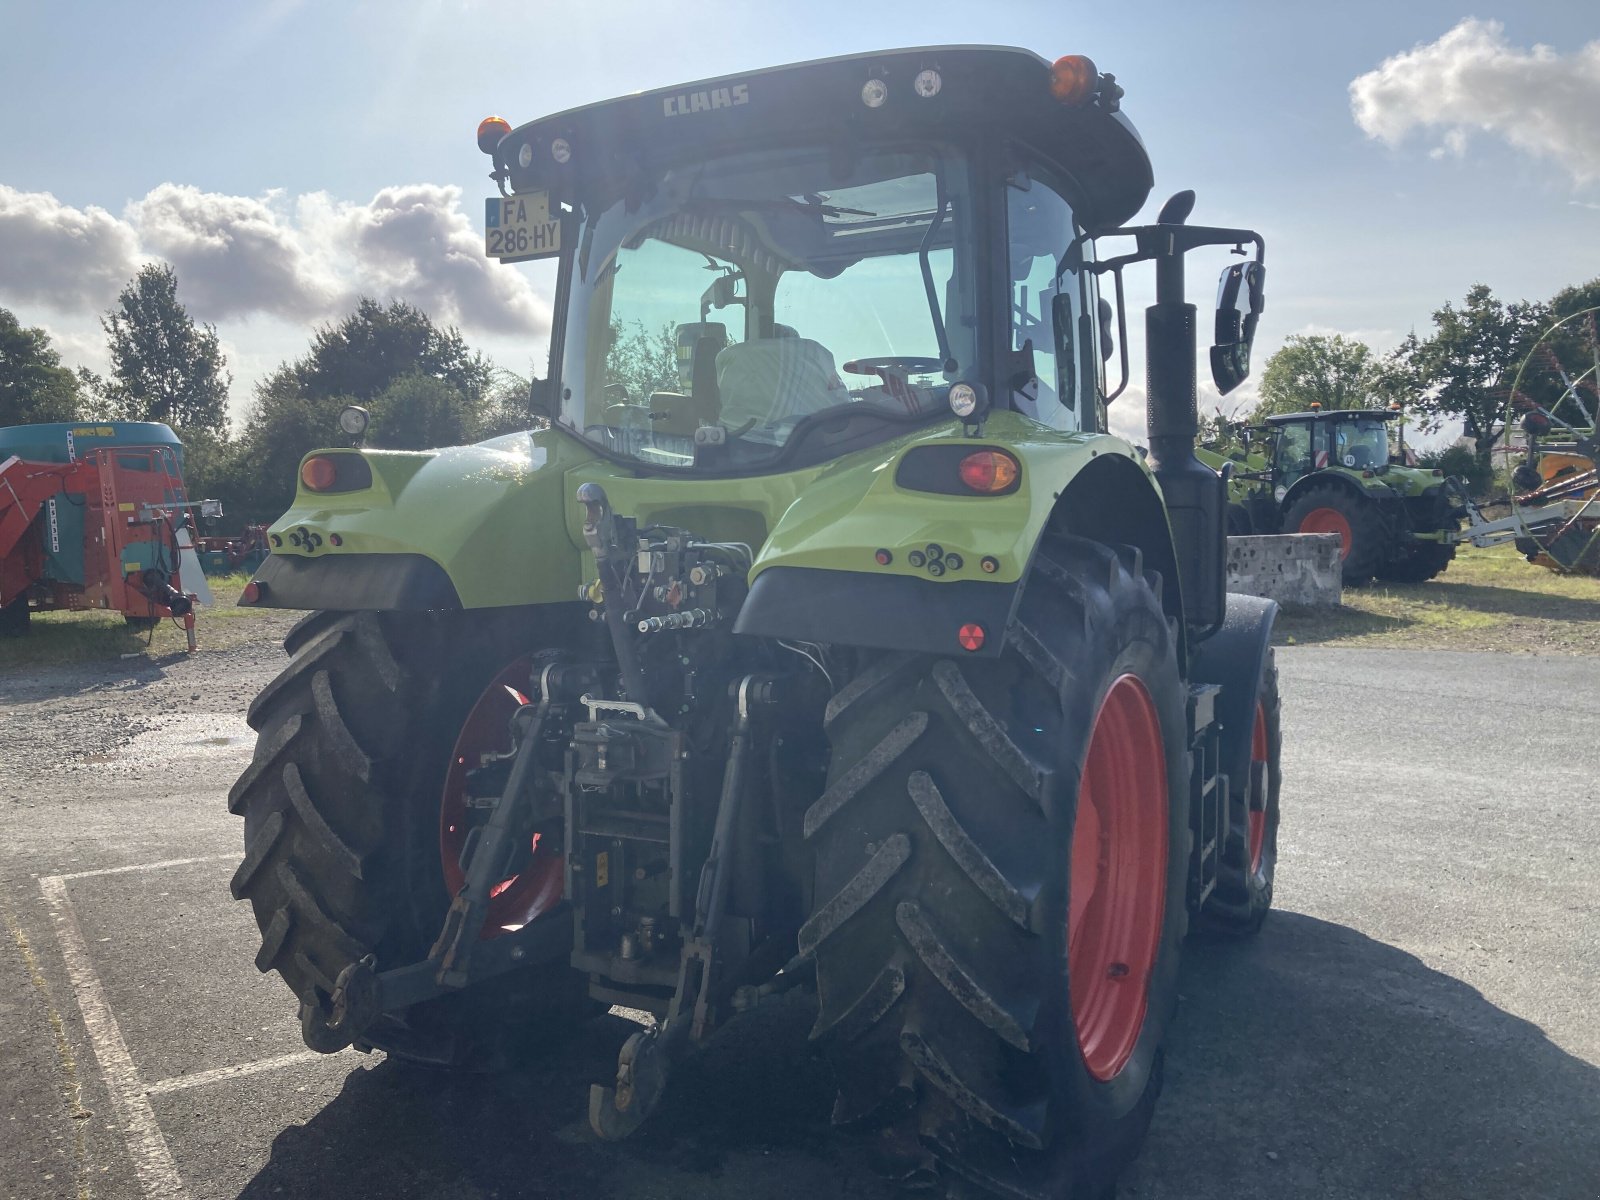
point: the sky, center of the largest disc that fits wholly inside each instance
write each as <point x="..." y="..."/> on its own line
<point x="287" y="156"/>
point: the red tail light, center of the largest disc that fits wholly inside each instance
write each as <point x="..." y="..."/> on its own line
<point x="319" y="473"/>
<point x="989" y="471"/>
<point x="970" y="636"/>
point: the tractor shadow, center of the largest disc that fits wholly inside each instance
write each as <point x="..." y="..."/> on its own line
<point x="748" y="1116"/>
<point x="1507" y="601"/>
<point x="1315" y="1061"/>
<point x="1312" y="1061"/>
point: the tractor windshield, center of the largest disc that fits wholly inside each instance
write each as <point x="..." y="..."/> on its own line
<point x="716" y="308"/>
<point x="1362" y="444"/>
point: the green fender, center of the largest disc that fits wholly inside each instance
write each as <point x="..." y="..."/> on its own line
<point x="498" y="524"/>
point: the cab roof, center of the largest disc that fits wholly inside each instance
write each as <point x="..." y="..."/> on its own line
<point x="984" y="92"/>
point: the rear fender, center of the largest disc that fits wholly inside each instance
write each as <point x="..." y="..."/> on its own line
<point x="1234" y="657"/>
<point x="470" y="526"/>
<point x="820" y="578"/>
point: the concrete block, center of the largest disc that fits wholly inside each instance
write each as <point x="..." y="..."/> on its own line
<point x="1293" y="568"/>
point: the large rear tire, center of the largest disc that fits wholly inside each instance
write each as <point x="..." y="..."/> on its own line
<point x="342" y="806"/>
<point x="1363" y="537"/>
<point x="1001" y="856"/>
<point x="1243" y="895"/>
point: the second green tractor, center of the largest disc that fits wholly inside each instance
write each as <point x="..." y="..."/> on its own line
<point x="1333" y="472"/>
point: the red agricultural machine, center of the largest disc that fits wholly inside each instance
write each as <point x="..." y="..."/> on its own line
<point x="96" y="516"/>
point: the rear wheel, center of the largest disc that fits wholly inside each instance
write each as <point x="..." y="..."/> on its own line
<point x="1001" y="858"/>
<point x="1362" y="534"/>
<point x="355" y="813"/>
<point x="1249" y="860"/>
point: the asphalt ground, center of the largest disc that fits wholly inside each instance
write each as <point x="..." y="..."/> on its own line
<point x="1419" y="1018"/>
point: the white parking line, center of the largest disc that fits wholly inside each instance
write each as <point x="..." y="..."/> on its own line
<point x="152" y="1158"/>
<point x="180" y="1083"/>
<point x="147" y="1145"/>
<point x="155" y="866"/>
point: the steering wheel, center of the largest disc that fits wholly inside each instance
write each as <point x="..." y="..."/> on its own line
<point x="878" y="366"/>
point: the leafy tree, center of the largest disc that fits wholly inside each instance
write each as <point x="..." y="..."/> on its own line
<point x="163" y="366"/>
<point x="418" y="411"/>
<point x="282" y="425"/>
<point x="1465" y="368"/>
<point x="1461" y="460"/>
<point x="423" y="386"/>
<point x="506" y="408"/>
<point x="366" y="353"/>
<point x="34" y="386"/>
<point x="642" y="362"/>
<point x="1335" y="372"/>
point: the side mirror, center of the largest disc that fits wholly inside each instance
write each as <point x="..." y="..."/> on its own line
<point x="1240" y="299"/>
<point x="541" y="399"/>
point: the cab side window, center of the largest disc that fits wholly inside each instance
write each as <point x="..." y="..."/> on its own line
<point x="1045" y="302"/>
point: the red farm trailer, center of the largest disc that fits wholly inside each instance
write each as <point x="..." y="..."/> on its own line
<point x="95" y="516"/>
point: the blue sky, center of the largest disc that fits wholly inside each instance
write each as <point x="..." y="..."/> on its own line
<point x="287" y="154"/>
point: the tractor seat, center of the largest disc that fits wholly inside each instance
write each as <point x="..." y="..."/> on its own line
<point x="774" y="379"/>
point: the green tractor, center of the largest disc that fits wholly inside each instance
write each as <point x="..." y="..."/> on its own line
<point x="1332" y="472"/>
<point x="842" y="649"/>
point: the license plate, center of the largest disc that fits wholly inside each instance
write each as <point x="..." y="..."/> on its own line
<point x="517" y="228"/>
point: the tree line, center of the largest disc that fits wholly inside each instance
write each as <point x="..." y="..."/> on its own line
<point x="422" y="384"/>
<point x="1463" y="369"/>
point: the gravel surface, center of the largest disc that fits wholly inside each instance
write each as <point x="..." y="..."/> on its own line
<point x="1417" y="1019"/>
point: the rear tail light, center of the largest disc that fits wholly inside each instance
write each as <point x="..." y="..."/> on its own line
<point x="989" y="471"/>
<point x="344" y="471"/>
<point x="971" y="637"/>
<point x="319" y="474"/>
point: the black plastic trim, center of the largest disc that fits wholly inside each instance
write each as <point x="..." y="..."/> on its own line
<point x="354" y="582"/>
<point x="881" y="612"/>
<point x="938" y="469"/>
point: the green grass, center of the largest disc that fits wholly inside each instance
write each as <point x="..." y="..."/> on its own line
<point x="1487" y="600"/>
<point x="77" y="637"/>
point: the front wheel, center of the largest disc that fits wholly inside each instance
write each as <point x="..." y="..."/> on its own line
<point x="1421" y="562"/>
<point x="1001" y="857"/>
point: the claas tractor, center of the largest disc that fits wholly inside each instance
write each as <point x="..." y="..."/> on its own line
<point x="838" y="646"/>
<point x="1332" y="471"/>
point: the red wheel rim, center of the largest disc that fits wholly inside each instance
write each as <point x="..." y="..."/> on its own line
<point x="1258" y="788"/>
<point x="519" y="898"/>
<point x="1118" y="890"/>
<point x="1329" y="520"/>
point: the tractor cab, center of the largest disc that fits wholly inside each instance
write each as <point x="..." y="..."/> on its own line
<point x="763" y="274"/>
<point x="1303" y="442"/>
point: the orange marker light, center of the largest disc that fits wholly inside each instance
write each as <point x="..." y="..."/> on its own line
<point x="490" y="131"/>
<point x="989" y="471"/>
<point x="1073" y="79"/>
<point x="318" y="474"/>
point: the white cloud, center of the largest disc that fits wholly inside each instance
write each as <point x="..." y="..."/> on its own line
<point x="62" y="257"/>
<point x="235" y="255"/>
<point x="1473" y="81"/>
<point x="299" y="261"/>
